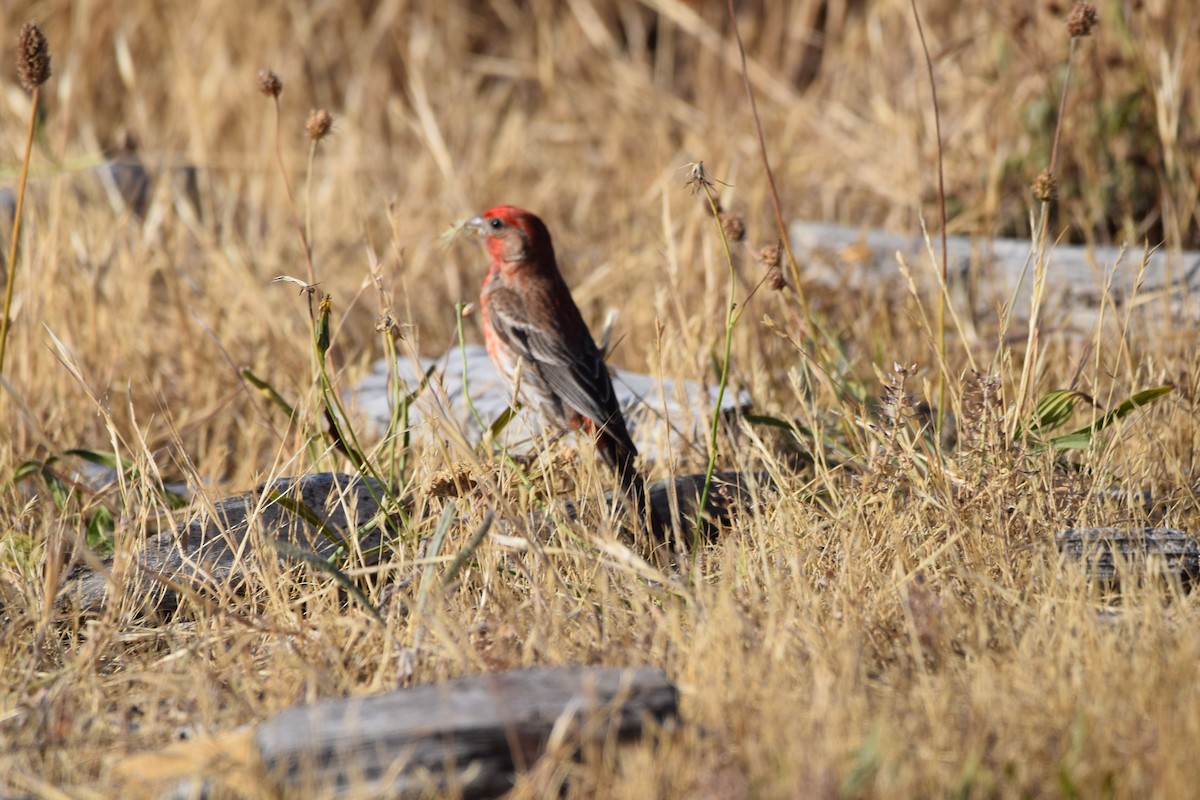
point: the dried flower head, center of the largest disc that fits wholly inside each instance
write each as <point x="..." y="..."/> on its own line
<point x="269" y="83"/>
<point x="33" y="57"/>
<point x="1045" y="186"/>
<point x="698" y="179"/>
<point x="733" y="226"/>
<point x="775" y="279"/>
<point x="769" y="257"/>
<point x="1081" y="19"/>
<point x="319" y="124"/>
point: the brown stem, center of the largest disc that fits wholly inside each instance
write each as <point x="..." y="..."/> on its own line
<point x="762" y="147"/>
<point x="16" y="228"/>
<point x="287" y="185"/>
<point x="937" y="127"/>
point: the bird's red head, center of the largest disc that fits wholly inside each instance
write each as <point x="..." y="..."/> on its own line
<point x="514" y="236"/>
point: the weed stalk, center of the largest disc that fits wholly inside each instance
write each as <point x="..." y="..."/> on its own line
<point x="937" y="127"/>
<point x="33" y="69"/>
<point x="700" y="179"/>
<point x="1079" y="24"/>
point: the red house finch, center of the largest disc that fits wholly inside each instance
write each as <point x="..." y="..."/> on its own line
<point x="529" y="316"/>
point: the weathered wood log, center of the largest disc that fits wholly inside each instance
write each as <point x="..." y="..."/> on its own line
<point x="467" y="738"/>
<point x="470" y="735"/>
<point x="676" y="411"/>
<point x="212" y="553"/>
<point x="985" y="273"/>
<point x="1108" y="554"/>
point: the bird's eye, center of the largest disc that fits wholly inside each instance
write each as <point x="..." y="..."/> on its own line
<point x="496" y="223"/>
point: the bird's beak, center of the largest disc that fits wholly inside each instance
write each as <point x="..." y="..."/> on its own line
<point x="475" y="224"/>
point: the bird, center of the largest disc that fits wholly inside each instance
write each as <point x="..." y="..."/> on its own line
<point x="531" y="323"/>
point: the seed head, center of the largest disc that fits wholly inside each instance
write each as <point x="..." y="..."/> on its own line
<point x="698" y="180"/>
<point x="319" y="124"/>
<point x="269" y="83"/>
<point x="775" y="280"/>
<point x="1081" y="20"/>
<point x="769" y="258"/>
<point x="33" y="57"/>
<point x="1045" y="186"/>
<point x="733" y="226"/>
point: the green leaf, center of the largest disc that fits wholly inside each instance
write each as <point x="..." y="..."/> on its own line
<point x="1137" y="400"/>
<point x="27" y="468"/>
<point x="501" y="422"/>
<point x="59" y="491"/>
<point x="1082" y="438"/>
<point x="268" y="391"/>
<point x="346" y="444"/>
<point x="400" y="408"/>
<point x="1052" y="411"/>
<point x="1072" y="441"/>
<point x="101" y="458"/>
<point x="776" y="422"/>
<point x="468" y="550"/>
<point x="100" y="529"/>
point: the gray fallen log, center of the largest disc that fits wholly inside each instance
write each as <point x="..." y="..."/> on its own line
<point x="469" y="736"/>
<point x="675" y="411"/>
<point x="1108" y="554"/>
<point x="983" y="274"/>
<point x="213" y="552"/>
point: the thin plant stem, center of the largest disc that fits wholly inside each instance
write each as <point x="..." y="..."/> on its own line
<point x="1062" y="105"/>
<point x="762" y="148"/>
<point x="287" y="185"/>
<point x="1040" y="265"/>
<point x="731" y="318"/>
<point x="308" y="234"/>
<point x="937" y="127"/>
<point x="16" y="227"/>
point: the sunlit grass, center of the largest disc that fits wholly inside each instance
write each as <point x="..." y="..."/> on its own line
<point x="893" y="622"/>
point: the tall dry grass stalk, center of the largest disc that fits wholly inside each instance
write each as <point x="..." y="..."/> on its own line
<point x="33" y="70"/>
<point x="1044" y="187"/>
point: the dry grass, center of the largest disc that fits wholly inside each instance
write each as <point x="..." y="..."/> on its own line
<point x="896" y="627"/>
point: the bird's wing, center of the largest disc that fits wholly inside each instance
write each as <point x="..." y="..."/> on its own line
<point x="577" y="374"/>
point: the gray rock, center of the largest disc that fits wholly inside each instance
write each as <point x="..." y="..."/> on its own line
<point x="675" y="412"/>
